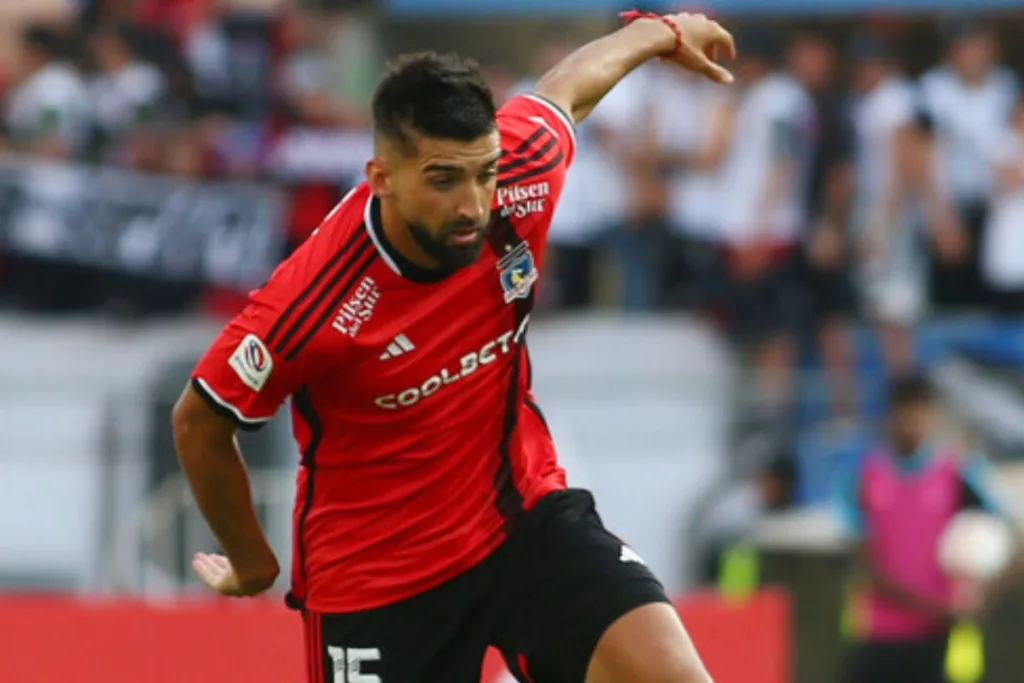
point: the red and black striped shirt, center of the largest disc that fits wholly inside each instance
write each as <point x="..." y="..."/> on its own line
<point x="410" y="394"/>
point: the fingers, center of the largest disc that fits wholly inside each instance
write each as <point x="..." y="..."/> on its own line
<point x="221" y="561"/>
<point x="724" y="41"/>
<point x="207" y="568"/>
<point x="710" y="42"/>
<point x="211" y="569"/>
<point x="720" y="74"/>
<point x="715" y="72"/>
<point x="720" y="45"/>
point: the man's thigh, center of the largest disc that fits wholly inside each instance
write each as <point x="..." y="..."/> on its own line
<point x="440" y="635"/>
<point x="566" y="582"/>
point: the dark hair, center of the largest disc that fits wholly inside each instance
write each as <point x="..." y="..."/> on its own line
<point x="955" y="29"/>
<point x="42" y="38"/>
<point x="910" y="390"/>
<point x="439" y="96"/>
<point x="869" y="47"/>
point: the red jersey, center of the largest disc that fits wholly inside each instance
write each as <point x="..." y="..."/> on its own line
<point x="410" y="391"/>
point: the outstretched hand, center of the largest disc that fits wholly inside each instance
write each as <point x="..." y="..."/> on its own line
<point x="703" y="46"/>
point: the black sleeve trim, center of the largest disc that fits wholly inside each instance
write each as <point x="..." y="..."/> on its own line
<point x="226" y="410"/>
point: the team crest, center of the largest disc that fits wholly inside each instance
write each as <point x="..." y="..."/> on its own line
<point x="518" y="273"/>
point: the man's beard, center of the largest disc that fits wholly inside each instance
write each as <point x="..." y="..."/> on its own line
<point x="450" y="257"/>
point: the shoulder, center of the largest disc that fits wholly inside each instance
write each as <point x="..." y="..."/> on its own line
<point x="1005" y="77"/>
<point x="778" y="96"/>
<point x="847" y="494"/>
<point x="529" y="123"/>
<point x="935" y="81"/>
<point x="898" y="97"/>
<point x="307" y="287"/>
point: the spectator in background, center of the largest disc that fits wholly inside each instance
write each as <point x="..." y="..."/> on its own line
<point x="969" y="98"/>
<point x="594" y="211"/>
<point x="1003" y="248"/>
<point x="303" y="78"/>
<point x="829" y="295"/>
<point x="733" y="514"/>
<point x="126" y="92"/>
<point x="687" y="122"/>
<point x="501" y="78"/>
<point x="630" y="209"/>
<point x="897" y="260"/>
<point x="896" y="504"/>
<point x="47" y="110"/>
<point x="207" y="51"/>
<point x="891" y="240"/>
<point x="232" y="57"/>
<point x="761" y="217"/>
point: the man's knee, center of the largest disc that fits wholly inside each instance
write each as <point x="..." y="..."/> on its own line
<point x="647" y="645"/>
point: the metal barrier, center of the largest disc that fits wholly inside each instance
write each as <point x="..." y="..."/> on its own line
<point x="151" y="551"/>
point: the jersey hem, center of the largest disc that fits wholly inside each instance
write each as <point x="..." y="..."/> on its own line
<point x="327" y="606"/>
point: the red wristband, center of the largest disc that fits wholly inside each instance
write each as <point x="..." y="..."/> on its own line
<point x="632" y="15"/>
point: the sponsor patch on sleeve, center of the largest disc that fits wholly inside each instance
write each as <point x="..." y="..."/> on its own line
<point x="252" y="362"/>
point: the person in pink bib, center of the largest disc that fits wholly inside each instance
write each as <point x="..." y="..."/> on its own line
<point x="897" y="504"/>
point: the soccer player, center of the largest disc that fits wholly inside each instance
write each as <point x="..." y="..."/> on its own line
<point x="432" y="518"/>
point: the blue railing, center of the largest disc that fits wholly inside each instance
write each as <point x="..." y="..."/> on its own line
<point x="823" y="446"/>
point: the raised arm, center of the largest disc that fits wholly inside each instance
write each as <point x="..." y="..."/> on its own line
<point x="693" y="41"/>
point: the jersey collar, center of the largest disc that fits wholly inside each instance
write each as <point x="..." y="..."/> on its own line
<point x="916" y="462"/>
<point x="391" y="256"/>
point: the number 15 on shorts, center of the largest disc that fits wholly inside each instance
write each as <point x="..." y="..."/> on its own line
<point x="348" y="662"/>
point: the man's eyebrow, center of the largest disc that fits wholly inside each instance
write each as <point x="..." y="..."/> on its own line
<point x="456" y="168"/>
<point x="445" y="168"/>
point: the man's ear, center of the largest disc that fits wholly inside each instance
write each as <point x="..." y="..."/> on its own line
<point x="378" y="177"/>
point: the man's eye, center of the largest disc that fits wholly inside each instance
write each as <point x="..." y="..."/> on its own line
<point x="442" y="183"/>
<point x="488" y="176"/>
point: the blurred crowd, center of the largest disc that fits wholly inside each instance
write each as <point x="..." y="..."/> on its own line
<point x="830" y="186"/>
<point x="194" y="88"/>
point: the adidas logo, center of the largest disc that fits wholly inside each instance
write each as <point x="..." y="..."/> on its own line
<point x="397" y="347"/>
<point x="629" y="555"/>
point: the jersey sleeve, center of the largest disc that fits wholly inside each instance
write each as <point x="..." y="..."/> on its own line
<point x="247" y="372"/>
<point x="980" y="491"/>
<point x="846" y="500"/>
<point x="537" y="136"/>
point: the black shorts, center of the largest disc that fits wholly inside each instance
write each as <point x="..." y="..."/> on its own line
<point x="544" y="599"/>
<point x="829" y="294"/>
<point x="912" y="661"/>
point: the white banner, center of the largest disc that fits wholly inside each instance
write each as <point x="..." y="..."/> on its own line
<point x="223" y="233"/>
